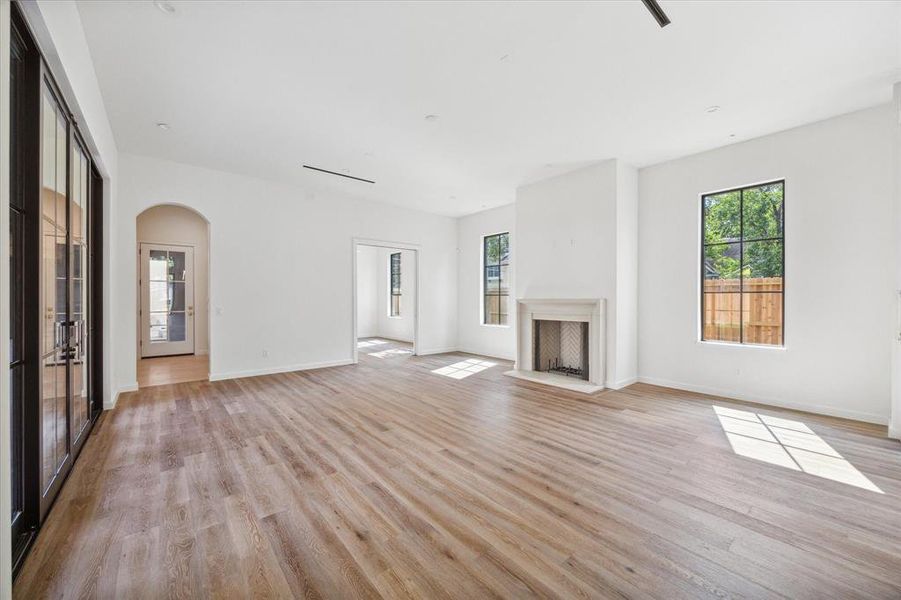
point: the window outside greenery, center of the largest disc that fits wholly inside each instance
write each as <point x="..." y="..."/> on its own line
<point x="495" y="278"/>
<point x="395" y="285"/>
<point x="743" y="265"/>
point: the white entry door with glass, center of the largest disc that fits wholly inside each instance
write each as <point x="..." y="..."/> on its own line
<point x="167" y="300"/>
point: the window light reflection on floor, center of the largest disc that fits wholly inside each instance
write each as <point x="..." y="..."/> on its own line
<point x="370" y="343"/>
<point x="787" y="443"/>
<point x="464" y="369"/>
<point x="391" y="352"/>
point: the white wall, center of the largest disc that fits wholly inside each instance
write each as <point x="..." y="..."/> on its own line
<point x="367" y="291"/>
<point x="895" y="422"/>
<point x="626" y="366"/>
<point x="399" y="328"/>
<point x="838" y="248"/>
<point x="168" y="224"/>
<point x="575" y="233"/>
<point x="280" y="266"/>
<point x="472" y="335"/>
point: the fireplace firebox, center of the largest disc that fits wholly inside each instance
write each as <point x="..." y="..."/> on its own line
<point x="561" y="347"/>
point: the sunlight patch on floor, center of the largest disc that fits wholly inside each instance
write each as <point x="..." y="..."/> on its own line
<point x="391" y="352"/>
<point x="464" y="369"/>
<point x="787" y="443"/>
<point x="370" y="343"/>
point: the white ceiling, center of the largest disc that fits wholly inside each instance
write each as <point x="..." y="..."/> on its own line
<point x="523" y="89"/>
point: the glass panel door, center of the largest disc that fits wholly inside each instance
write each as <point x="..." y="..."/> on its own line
<point x="78" y="294"/>
<point x="54" y="413"/>
<point x="167" y="300"/>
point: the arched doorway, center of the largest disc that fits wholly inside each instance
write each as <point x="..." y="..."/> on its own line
<point x="172" y="312"/>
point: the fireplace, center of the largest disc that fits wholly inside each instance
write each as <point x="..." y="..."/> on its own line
<point x="561" y="342"/>
<point x="561" y="347"/>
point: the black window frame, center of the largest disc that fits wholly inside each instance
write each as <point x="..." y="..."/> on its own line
<point x="741" y="242"/>
<point x="394" y="283"/>
<point x="486" y="293"/>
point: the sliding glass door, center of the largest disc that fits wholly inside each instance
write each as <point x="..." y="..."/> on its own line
<point x="79" y="375"/>
<point x="54" y="407"/>
<point x="56" y="196"/>
<point x="65" y="409"/>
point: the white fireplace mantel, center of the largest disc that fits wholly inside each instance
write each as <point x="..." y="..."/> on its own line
<point x="587" y="310"/>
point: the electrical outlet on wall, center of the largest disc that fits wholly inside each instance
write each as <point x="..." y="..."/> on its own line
<point x="265" y="354"/>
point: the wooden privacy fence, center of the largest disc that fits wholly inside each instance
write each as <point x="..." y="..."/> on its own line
<point x="758" y="310"/>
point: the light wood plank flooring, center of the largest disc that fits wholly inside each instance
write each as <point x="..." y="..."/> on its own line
<point x="385" y="479"/>
<point x="163" y="370"/>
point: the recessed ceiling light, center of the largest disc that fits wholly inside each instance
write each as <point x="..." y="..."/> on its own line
<point x="731" y="135"/>
<point x="166" y="7"/>
<point x="504" y="57"/>
<point x="712" y="109"/>
<point x="432" y="118"/>
<point x="163" y="126"/>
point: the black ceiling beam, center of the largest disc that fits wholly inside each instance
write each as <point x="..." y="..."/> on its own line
<point x="658" y="13"/>
<point x="338" y="174"/>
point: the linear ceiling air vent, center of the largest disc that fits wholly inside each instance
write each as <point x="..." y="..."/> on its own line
<point x="338" y="174"/>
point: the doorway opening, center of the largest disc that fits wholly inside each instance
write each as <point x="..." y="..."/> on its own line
<point x="173" y="296"/>
<point x="386" y="300"/>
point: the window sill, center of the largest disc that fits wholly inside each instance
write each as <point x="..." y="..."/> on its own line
<point x="395" y="317"/>
<point x="492" y="325"/>
<point x="738" y="345"/>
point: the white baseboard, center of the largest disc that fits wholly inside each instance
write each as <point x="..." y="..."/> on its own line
<point x="894" y="433"/>
<point x="436" y="351"/>
<point x="811" y="408"/>
<point x="486" y="354"/>
<point x="281" y="369"/>
<point x="618" y="385"/>
<point x="123" y="389"/>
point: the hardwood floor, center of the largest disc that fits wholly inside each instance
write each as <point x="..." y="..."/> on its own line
<point x="385" y="479"/>
<point x="163" y="370"/>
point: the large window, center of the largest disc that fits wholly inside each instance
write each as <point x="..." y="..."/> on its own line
<point x="495" y="278"/>
<point x="395" y="285"/>
<point x="743" y="265"/>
